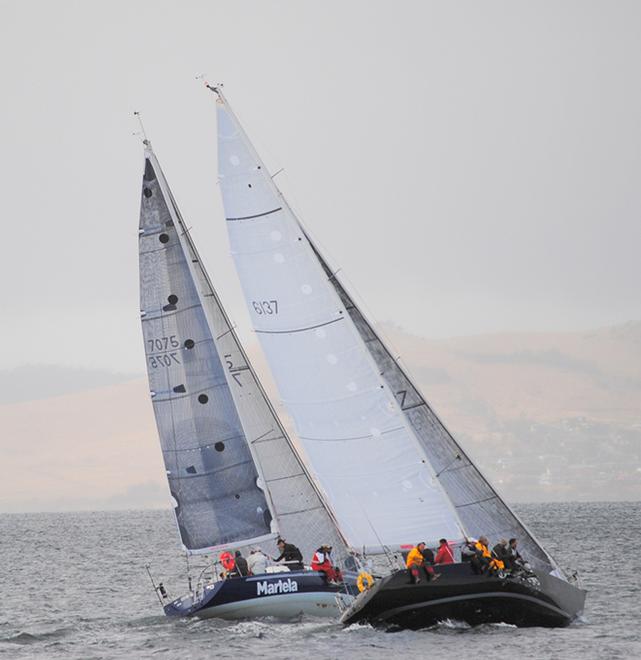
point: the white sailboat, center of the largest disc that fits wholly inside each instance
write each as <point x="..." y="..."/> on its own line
<point x="401" y="477"/>
<point x="235" y="478"/>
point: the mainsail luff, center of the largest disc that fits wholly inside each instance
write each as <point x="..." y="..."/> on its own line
<point x="382" y="446"/>
<point x="301" y="513"/>
<point x="210" y="470"/>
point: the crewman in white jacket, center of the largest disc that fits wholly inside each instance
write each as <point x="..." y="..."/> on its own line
<point x="257" y="561"/>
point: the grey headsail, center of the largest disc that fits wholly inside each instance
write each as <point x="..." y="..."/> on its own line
<point x="286" y="494"/>
<point x="211" y="473"/>
<point x="480" y="508"/>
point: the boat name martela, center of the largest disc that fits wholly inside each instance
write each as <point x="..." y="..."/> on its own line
<point x="281" y="587"/>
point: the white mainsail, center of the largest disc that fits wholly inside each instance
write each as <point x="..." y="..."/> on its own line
<point x="364" y="453"/>
<point x="232" y="469"/>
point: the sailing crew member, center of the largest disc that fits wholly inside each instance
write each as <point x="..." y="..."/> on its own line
<point x="415" y="561"/>
<point x="513" y="559"/>
<point x="468" y="551"/>
<point x="482" y="557"/>
<point x="290" y="554"/>
<point x="500" y="550"/>
<point x="322" y="561"/>
<point x="444" y="554"/>
<point x="428" y="563"/>
<point x="257" y="561"/>
<point x="240" y="565"/>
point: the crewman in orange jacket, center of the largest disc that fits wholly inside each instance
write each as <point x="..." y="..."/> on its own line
<point x="484" y="557"/>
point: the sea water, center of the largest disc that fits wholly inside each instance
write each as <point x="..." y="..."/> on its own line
<point x="74" y="585"/>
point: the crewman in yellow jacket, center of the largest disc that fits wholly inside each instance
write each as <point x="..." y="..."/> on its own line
<point x="482" y="545"/>
<point x="415" y="561"/>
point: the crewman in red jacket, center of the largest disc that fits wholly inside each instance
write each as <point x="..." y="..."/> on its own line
<point x="444" y="554"/>
<point x="322" y="561"/>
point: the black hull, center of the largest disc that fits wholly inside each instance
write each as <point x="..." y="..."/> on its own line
<point x="459" y="594"/>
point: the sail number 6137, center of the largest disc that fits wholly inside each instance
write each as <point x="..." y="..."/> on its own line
<point x="265" y="306"/>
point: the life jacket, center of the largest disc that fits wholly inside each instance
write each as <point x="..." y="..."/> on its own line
<point x="320" y="561"/>
<point x="227" y="560"/>
<point x="414" y="558"/>
<point x="483" y="549"/>
<point x="497" y="564"/>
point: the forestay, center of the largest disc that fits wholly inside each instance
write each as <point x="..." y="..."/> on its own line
<point x="211" y="474"/>
<point x="361" y="448"/>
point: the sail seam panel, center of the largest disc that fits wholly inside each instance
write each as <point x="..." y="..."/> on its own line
<point x="165" y="315"/>
<point x="200" y="390"/>
<point x="289" y="476"/>
<point x="257" y="215"/>
<point x="291" y="332"/>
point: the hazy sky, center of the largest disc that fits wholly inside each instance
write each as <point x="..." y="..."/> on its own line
<point x="471" y="166"/>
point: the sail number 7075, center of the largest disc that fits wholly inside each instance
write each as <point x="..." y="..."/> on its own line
<point x="164" y="356"/>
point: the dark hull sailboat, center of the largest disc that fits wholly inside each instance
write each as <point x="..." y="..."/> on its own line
<point x="533" y="599"/>
<point x="287" y="595"/>
<point x="391" y="469"/>
<point x="235" y="477"/>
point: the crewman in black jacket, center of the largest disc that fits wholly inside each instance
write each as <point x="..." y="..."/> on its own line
<point x="240" y="566"/>
<point x="290" y="554"/>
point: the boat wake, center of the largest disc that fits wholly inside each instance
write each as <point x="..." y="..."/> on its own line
<point x="454" y="625"/>
<point x="24" y="638"/>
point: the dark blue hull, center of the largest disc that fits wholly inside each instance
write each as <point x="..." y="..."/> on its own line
<point x="284" y="595"/>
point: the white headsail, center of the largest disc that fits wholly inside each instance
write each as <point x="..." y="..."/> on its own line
<point x="391" y="470"/>
<point x="233" y="472"/>
<point x="361" y="447"/>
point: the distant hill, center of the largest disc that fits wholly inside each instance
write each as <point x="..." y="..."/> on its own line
<point x="30" y="381"/>
<point x="547" y="417"/>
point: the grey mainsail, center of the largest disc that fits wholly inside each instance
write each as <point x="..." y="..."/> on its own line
<point x="300" y="319"/>
<point x="481" y="510"/>
<point x="232" y="469"/>
<point x="211" y="474"/>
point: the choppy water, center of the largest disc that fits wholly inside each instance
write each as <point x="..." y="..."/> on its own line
<point x="73" y="586"/>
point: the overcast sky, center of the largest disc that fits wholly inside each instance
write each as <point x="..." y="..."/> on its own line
<point x="472" y="167"/>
